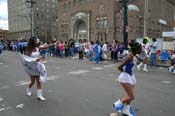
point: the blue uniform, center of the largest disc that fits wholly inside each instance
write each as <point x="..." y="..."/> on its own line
<point x="127" y="75"/>
<point x="128" y="68"/>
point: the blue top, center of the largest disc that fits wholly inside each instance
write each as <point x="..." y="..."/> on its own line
<point x="22" y="44"/>
<point x="129" y="68"/>
<point x="95" y="47"/>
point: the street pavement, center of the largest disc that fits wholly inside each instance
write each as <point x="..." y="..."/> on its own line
<point x="82" y="88"/>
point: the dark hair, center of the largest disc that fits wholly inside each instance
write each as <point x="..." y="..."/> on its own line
<point x="31" y="44"/>
<point x="154" y="39"/>
<point x="145" y="41"/>
<point x="92" y="42"/>
<point x="134" y="47"/>
<point x="97" y="42"/>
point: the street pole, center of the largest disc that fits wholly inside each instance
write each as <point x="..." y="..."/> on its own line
<point x="45" y="30"/>
<point x="32" y="18"/>
<point x="125" y="23"/>
<point x="145" y="18"/>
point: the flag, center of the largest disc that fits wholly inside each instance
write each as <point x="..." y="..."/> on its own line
<point x="33" y="68"/>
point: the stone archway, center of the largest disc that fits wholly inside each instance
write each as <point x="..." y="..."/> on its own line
<point x="80" y="30"/>
<point x="80" y="26"/>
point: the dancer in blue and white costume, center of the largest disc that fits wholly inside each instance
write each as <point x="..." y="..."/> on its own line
<point x="32" y="51"/>
<point x="127" y="80"/>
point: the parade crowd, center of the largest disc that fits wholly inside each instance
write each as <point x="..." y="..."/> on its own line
<point x="134" y="54"/>
<point x="96" y="51"/>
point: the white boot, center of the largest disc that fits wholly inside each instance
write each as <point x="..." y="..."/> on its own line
<point x="118" y="105"/>
<point x="171" y="69"/>
<point x="126" y="110"/>
<point x="145" y="68"/>
<point x="138" y="66"/>
<point x="29" y="92"/>
<point x="39" y="95"/>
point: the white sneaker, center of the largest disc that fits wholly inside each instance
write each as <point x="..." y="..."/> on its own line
<point x="29" y="92"/>
<point x="145" y="70"/>
<point x="173" y="71"/>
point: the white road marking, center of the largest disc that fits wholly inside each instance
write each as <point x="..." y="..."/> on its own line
<point x="166" y="82"/>
<point x="1" y="99"/>
<point x="2" y="109"/>
<point x="1" y="63"/>
<point x="97" y="68"/>
<point x="4" y="87"/>
<point x="78" y="72"/>
<point x="21" y="83"/>
<point x="110" y="66"/>
<point x="52" y="77"/>
<point x="20" y="106"/>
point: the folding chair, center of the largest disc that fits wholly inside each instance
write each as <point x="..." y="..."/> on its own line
<point x="165" y="56"/>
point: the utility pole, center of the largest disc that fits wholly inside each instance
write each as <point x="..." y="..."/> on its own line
<point x="145" y="18"/>
<point x="125" y="22"/>
<point x="32" y="17"/>
<point x="45" y="29"/>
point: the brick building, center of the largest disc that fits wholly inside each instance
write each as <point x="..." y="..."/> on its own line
<point x="3" y="34"/>
<point x="19" y="11"/>
<point x="102" y="19"/>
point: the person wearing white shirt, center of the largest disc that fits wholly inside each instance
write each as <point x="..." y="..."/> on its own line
<point x="144" y="56"/>
<point x="32" y="51"/>
<point x="104" y="50"/>
<point x="154" y="47"/>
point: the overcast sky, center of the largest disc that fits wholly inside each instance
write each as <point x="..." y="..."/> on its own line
<point x="3" y="14"/>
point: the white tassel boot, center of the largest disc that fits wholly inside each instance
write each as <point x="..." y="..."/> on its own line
<point x="126" y="110"/>
<point x="29" y="92"/>
<point x="145" y="68"/>
<point x="118" y="105"/>
<point x="138" y="66"/>
<point x="39" y="95"/>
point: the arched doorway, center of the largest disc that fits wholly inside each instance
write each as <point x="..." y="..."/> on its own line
<point x="80" y="30"/>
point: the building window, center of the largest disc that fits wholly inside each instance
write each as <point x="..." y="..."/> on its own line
<point x="64" y="5"/>
<point x="102" y="36"/>
<point x="83" y="1"/>
<point x="102" y="22"/>
<point x="74" y="2"/>
<point x="69" y="4"/>
<point x="105" y="23"/>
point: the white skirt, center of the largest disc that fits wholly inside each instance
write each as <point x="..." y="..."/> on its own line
<point x="126" y="78"/>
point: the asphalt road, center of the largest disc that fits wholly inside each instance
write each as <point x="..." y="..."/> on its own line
<point x="81" y="88"/>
